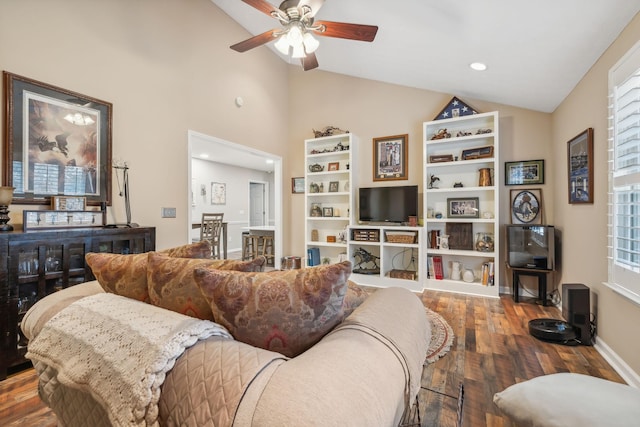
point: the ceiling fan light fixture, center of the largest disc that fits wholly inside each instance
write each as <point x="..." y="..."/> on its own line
<point x="282" y="45"/>
<point x="310" y="43"/>
<point x="298" y="51"/>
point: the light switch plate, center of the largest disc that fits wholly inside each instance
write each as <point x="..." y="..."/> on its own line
<point x="168" y="212"/>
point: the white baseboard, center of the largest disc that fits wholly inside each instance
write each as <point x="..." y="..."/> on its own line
<point x="629" y="375"/>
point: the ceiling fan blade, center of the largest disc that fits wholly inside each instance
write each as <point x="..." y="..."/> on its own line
<point x="342" y="30"/>
<point x="262" y="5"/>
<point x="309" y="62"/>
<point x="254" y="41"/>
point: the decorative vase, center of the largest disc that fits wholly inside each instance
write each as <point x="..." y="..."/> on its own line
<point x="468" y="276"/>
<point x="455" y="270"/>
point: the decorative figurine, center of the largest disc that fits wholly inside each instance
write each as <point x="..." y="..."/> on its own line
<point x="432" y="181"/>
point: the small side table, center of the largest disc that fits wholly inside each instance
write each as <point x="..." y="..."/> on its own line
<point x="541" y="275"/>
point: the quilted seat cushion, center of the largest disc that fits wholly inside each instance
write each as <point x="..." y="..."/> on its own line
<point x="126" y="275"/>
<point x="284" y="311"/>
<point x="172" y="286"/>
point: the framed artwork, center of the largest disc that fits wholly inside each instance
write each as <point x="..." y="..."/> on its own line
<point x="580" y="167"/>
<point x="390" y="158"/>
<point x="463" y="207"/>
<point x="327" y="211"/>
<point x="526" y="206"/>
<point x="333" y="166"/>
<point x="334" y="186"/>
<point x="218" y="193"/>
<point x="529" y="172"/>
<point x="45" y="220"/>
<point x="297" y="185"/>
<point x="57" y="143"/>
<point x="68" y="203"/>
<point x="477" y="153"/>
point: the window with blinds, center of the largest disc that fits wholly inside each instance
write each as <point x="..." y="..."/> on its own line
<point x="624" y="176"/>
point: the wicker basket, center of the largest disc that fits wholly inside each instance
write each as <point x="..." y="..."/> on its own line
<point x="401" y="238"/>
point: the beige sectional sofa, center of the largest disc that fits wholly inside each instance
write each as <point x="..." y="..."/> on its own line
<point x="365" y="372"/>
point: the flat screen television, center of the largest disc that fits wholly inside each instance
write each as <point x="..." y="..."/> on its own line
<point x="387" y="204"/>
<point x="531" y="246"/>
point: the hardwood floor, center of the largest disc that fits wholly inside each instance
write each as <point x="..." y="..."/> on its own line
<point x="492" y="350"/>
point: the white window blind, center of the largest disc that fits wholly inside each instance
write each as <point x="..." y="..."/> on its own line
<point x="624" y="176"/>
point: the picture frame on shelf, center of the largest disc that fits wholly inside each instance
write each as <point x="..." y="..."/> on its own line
<point x="390" y="158"/>
<point x="477" y="153"/>
<point x="316" y="210"/>
<point x="440" y="158"/>
<point x="526" y="206"/>
<point x="580" y="167"/>
<point x="328" y="212"/>
<point x="527" y="172"/>
<point x="334" y="186"/>
<point x="333" y="166"/>
<point x="297" y="185"/>
<point x="68" y="203"/>
<point x="463" y="207"/>
<point x="57" y="143"/>
<point x="218" y="193"/>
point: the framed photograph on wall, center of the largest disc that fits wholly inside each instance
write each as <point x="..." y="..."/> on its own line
<point x="526" y="206"/>
<point x="463" y="207"/>
<point x="528" y="172"/>
<point x="218" y="193"/>
<point x="57" y="143"/>
<point x="390" y="158"/>
<point x="580" y="167"/>
<point x="297" y="185"/>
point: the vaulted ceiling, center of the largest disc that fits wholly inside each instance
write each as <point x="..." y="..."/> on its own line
<point x="535" y="51"/>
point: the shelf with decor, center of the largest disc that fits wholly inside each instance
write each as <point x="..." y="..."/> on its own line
<point x="461" y="176"/>
<point x="386" y="255"/>
<point x="329" y="201"/>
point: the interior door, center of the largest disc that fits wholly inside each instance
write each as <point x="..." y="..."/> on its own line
<point x="257" y="203"/>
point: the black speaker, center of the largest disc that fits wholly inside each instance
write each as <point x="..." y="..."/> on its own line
<point x="576" y="310"/>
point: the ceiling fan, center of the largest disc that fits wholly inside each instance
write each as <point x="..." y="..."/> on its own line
<point x="298" y="25"/>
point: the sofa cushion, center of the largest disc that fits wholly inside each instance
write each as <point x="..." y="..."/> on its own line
<point x="568" y="399"/>
<point x="284" y="311"/>
<point x="172" y="286"/>
<point x="126" y="275"/>
<point x="353" y="298"/>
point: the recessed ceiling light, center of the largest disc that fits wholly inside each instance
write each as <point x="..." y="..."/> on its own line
<point x="478" y="66"/>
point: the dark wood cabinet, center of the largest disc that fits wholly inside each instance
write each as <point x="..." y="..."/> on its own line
<point x="37" y="263"/>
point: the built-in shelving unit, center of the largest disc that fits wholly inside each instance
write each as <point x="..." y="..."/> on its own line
<point x="394" y="250"/>
<point x="329" y="201"/>
<point x="461" y="179"/>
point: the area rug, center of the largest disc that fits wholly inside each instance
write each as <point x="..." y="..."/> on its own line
<point x="441" y="337"/>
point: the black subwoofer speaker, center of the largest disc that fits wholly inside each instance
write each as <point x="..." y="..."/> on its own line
<point x="576" y="310"/>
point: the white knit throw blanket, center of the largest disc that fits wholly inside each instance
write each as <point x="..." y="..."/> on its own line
<point x="119" y="350"/>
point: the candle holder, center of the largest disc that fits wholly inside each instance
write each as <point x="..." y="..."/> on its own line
<point x="6" y="195"/>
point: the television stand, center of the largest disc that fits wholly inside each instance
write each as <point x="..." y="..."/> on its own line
<point x="540" y="274"/>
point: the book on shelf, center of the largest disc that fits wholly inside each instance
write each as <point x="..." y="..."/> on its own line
<point x="438" y="269"/>
<point x="313" y="257"/>
<point x="487" y="274"/>
<point x="430" y="272"/>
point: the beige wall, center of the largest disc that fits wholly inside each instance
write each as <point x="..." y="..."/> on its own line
<point x="584" y="226"/>
<point x="166" y="66"/>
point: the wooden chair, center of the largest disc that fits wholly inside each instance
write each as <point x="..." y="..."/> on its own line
<point x="211" y="230"/>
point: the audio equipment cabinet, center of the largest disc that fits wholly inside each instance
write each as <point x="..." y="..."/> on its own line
<point x="36" y="263"/>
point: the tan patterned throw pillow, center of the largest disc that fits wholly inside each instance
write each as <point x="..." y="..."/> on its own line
<point x="284" y="311"/>
<point x="126" y="275"/>
<point x="354" y="297"/>
<point x="172" y="285"/>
